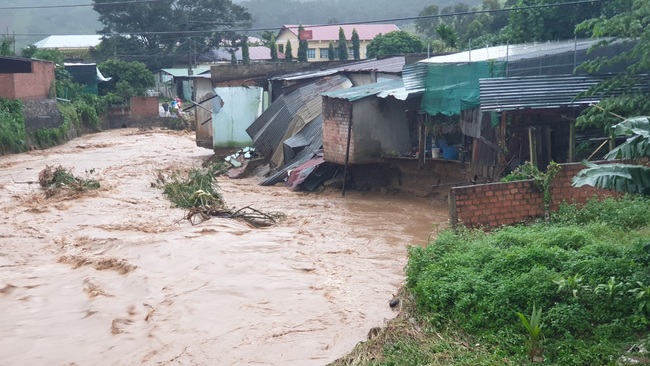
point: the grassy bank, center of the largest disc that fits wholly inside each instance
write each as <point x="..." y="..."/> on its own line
<point x="587" y="270"/>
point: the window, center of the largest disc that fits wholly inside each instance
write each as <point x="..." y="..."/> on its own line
<point x="350" y="53"/>
<point x="324" y="53"/>
<point x="281" y="48"/>
<point x="311" y="53"/>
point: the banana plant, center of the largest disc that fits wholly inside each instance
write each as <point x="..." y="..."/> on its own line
<point x="534" y="328"/>
<point x="621" y="177"/>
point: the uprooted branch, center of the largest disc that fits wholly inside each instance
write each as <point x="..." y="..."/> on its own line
<point x="198" y="192"/>
<point x="252" y="216"/>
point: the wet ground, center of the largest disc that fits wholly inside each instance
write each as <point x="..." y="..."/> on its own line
<point x="115" y="277"/>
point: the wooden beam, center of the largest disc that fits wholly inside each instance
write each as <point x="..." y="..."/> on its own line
<point x="572" y="141"/>
<point x="532" y="142"/>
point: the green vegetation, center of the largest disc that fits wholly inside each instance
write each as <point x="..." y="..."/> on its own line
<point x="393" y="43"/>
<point x="12" y="126"/>
<point x="467" y="292"/>
<point x="302" y="45"/>
<point x="355" y="44"/>
<point x="197" y="189"/>
<point x="128" y="79"/>
<point x="587" y="268"/>
<point x="342" y="46"/>
<point x="158" y="50"/>
<point x="542" y="180"/>
<point x="288" y="52"/>
<point x="56" y="180"/>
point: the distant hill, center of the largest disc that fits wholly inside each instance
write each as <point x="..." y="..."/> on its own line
<point x="40" y="23"/>
<point x="272" y="13"/>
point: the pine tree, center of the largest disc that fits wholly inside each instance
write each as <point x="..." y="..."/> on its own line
<point x="288" y="52"/>
<point x="302" y="46"/>
<point x="356" y="44"/>
<point x="245" y="54"/>
<point x="343" y="47"/>
<point x="330" y="52"/>
<point x="233" y="58"/>
<point x="274" y="49"/>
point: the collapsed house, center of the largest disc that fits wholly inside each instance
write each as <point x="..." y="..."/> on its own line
<point x="290" y="131"/>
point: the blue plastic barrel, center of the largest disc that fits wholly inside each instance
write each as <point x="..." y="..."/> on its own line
<point x="450" y="153"/>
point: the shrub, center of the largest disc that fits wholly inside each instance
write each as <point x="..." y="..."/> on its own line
<point x="12" y="126"/>
<point x="587" y="269"/>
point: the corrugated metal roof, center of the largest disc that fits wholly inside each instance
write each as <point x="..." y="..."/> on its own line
<point x="542" y="91"/>
<point x="366" y="32"/>
<point x="256" y="53"/>
<point x="389" y="65"/>
<point x="313" y="132"/>
<point x="268" y="130"/>
<point x="514" y="52"/>
<point x="71" y="41"/>
<point x="183" y="72"/>
<point x="364" y="91"/>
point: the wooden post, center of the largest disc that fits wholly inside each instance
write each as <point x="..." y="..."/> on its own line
<point x="453" y="213"/>
<point x="347" y="152"/>
<point x="572" y="141"/>
<point x="501" y="158"/>
<point x="532" y="142"/>
<point x="422" y="138"/>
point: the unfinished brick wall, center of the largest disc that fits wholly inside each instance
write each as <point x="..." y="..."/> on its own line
<point x="496" y="204"/>
<point x="336" y="120"/>
<point x="144" y="107"/>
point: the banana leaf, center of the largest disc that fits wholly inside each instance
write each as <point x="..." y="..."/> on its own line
<point x="635" y="146"/>
<point x="618" y="177"/>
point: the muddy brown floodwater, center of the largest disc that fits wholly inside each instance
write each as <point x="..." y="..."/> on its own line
<point x="114" y="278"/>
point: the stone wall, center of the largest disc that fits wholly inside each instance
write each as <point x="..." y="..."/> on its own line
<point x="41" y="114"/>
<point x="336" y="120"/>
<point x="496" y="204"/>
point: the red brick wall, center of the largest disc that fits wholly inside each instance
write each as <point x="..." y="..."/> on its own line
<point x="33" y="86"/>
<point x="496" y="204"/>
<point x="144" y="107"/>
<point x="336" y="119"/>
<point x="7" y="89"/>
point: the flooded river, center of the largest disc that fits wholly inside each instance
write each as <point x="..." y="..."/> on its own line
<point x="115" y="277"/>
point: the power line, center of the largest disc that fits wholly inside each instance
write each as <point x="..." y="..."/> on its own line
<point x="78" y="5"/>
<point x="246" y="30"/>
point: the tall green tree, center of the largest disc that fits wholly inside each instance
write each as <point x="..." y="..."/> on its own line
<point x="127" y="78"/>
<point x="302" y="45"/>
<point x="288" y="52"/>
<point x="343" y="47"/>
<point x="245" y="54"/>
<point x="394" y="43"/>
<point x="331" y="55"/>
<point x="5" y="47"/>
<point x="552" y="23"/>
<point x="448" y="36"/>
<point x="172" y="17"/>
<point x="274" y="49"/>
<point x="356" y="44"/>
<point x="630" y="22"/>
<point x="427" y="26"/>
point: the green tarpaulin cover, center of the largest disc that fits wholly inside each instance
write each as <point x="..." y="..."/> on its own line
<point x="452" y="88"/>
